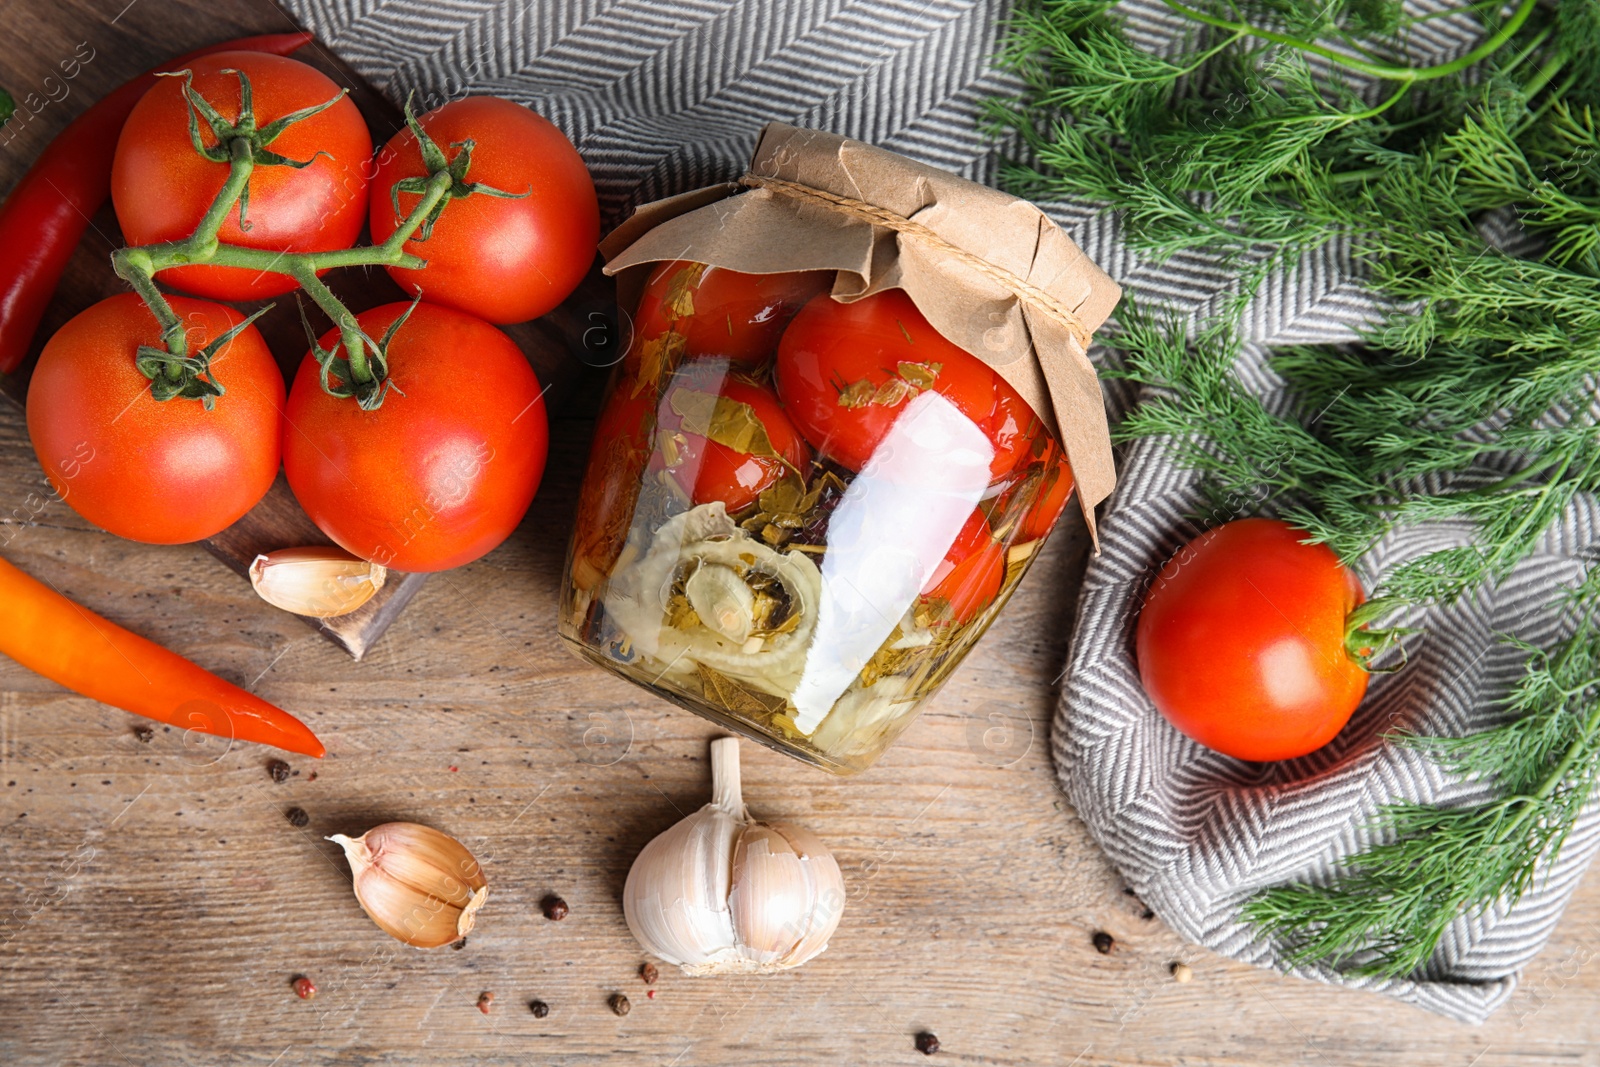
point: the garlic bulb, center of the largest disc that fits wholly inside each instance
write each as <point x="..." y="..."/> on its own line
<point x="421" y="886"/>
<point x="721" y="893"/>
<point x="319" y="581"/>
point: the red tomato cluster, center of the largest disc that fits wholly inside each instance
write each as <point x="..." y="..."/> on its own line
<point x="824" y="381"/>
<point x="444" y="468"/>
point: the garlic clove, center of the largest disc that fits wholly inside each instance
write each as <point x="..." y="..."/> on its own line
<point x="319" y="581"/>
<point x="827" y="893"/>
<point x="675" y="898"/>
<point x="723" y="601"/>
<point x="788" y="895"/>
<point x="772" y="898"/>
<point x="420" y="886"/>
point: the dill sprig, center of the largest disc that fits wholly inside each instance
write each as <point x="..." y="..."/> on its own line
<point x="1468" y="191"/>
<point x="1388" y="911"/>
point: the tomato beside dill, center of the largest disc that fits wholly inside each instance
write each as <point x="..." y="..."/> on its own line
<point x="1245" y="644"/>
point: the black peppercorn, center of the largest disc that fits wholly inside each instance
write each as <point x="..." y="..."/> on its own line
<point x="1104" y="942"/>
<point x="554" y="908"/>
<point x="539" y="1008"/>
<point x="927" y="1044"/>
<point x="279" y="770"/>
<point x="144" y="734"/>
<point x="297" y="816"/>
<point x="620" y="1004"/>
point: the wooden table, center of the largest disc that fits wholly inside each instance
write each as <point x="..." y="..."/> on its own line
<point x="155" y="903"/>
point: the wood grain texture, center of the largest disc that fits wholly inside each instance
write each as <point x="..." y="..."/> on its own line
<point x="155" y="903"/>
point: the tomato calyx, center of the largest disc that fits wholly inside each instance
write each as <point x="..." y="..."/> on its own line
<point x="438" y="164"/>
<point x="1366" y="646"/>
<point x="370" y="388"/>
<point x="190" y="377"/>
<point x="244" y="137"/>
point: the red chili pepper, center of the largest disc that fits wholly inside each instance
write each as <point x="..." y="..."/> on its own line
<point x="43" y="219"/>
<point x="72" y="646"/>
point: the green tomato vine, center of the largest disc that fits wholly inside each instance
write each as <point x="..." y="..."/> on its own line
<point x="244" y="145"/>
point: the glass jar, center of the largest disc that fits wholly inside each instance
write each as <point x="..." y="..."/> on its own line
<point x="800" y="514"/>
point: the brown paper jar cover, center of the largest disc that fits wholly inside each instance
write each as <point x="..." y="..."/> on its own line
<point x="991" y="274"/>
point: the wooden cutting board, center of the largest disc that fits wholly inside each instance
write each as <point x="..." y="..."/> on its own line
<point x="581" y="333"/>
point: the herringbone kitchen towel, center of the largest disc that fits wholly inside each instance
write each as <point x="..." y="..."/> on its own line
<point x="666" y="95"/>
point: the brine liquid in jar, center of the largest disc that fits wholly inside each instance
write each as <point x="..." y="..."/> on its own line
<point x="799" y="514"/>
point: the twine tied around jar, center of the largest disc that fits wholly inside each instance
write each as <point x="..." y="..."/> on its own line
<point x="879" y="216"/>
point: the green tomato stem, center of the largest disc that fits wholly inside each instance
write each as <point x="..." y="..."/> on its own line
<point x="138" y="266"/>
<point x="133" y="266"/>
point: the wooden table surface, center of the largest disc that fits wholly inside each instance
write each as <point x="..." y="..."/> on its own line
<point x="155" y="902"/>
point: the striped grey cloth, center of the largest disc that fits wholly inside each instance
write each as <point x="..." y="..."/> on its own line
<point x="661" y="97"/>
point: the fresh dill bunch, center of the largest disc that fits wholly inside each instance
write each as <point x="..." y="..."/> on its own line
<point x="1386" y="913"/>
<point x="1230" y="143"/>
<point x="1251" y="458"/>
<point x="1469" y="193"/>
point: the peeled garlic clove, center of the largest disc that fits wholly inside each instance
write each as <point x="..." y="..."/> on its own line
<point x="721" y="893"/>
<point x="319" y="581"/>
<point x="420" y="886"/>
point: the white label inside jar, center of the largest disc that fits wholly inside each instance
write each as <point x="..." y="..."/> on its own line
<point x="893" y="526"/>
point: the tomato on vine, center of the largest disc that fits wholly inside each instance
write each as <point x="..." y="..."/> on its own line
<point x="523" y="242"/>
<point x="164" y="471"/>
<point x="442" y="470"/>
<point x="846" y="371"/>
<point x="1253" y="642"/>
<point x="308" y="189"/>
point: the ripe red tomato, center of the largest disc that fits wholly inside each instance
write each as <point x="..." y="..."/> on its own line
<point x="846" y="371"/>
<point x="970" y="575"/>
<point x="709" y="470"/>
<point x="505" y="260"/>
<point x="720" y="312"/>
<point x="162" y="471"/>
<point x="161" y="187"/>
<point x="444" y="470"/>
<point x="1241" y="641"/>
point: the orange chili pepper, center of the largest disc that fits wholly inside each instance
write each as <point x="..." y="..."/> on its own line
<point x="74" y="647"/>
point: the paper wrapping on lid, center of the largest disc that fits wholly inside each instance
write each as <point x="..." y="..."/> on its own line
<point x="816" y="216"/>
